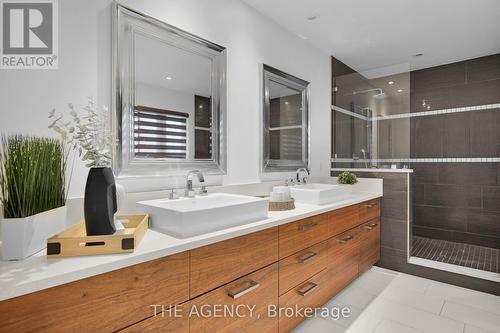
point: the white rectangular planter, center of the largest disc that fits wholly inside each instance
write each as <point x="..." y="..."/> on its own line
<point x="23" y="237"/>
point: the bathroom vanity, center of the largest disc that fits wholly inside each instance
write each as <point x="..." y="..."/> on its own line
<point x="299" y="258"/>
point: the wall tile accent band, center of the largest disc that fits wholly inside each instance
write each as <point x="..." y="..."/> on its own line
<point x="376" y="170"/>
<point x="420" y="160"/>
<point x="420" y="114"/>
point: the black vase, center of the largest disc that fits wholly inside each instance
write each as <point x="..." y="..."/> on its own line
<point x="100" y="202"/>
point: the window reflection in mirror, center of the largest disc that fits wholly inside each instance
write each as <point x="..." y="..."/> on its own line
<point x="286" y="121"/>
<point x="203" y="127"/>
<point x="172" y="116"/>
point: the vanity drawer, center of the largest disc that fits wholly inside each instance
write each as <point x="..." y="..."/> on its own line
<point x="217" y="264"/>
<point x="259" y="289"/>
<point x="102" y="303"/>
<point x="312" y="293"/>
<point x="343" y="219"/>
<point x="170" y="322"/>
<point x="344" y="249"/>
<point x="299" y="235"/>
<point x="341" y="276"/>
<point x="369" y="244"/>
<point x="302" y="265"/>
<point x="369" y="210"/>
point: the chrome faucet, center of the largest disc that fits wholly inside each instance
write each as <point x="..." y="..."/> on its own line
<point x="189" y="181"/>
<point x="304" y="180"/>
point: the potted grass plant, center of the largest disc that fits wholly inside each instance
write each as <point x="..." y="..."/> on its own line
<point x="32" y="193"/>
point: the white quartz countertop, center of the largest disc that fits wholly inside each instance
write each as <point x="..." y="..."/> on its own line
<point x="37" y="272"/>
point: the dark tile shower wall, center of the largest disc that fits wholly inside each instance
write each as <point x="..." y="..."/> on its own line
<point x="470" y="82"/>
<point x="457" y="201"/>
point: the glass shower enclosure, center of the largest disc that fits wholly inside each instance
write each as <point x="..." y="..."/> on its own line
<point x="442" y="122"/>
<point x="370" y="119"/>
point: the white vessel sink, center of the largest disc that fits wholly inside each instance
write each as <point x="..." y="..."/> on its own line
<point x="188" y="217"/>
<point x="320" y="194"/>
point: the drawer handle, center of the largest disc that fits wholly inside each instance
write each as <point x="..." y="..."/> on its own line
<point x="346" y="239"/>
<point x="370" y="205"/>
<point x="371" y="226"/>
<point x="237" y="294"/>
<point x="308" y="226"/>
<point x="308" y="256"/>
<point x="308" y="288"/>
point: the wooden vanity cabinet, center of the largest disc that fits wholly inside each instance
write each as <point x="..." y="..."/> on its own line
<point x="214" y="265"/>
<point x="343" y="219"/>
<point x="248" y="297"/>
<point x="344" y="249"/>
<point x="302" y="263"/>
<point x="101" y="303"/>
<point x="370" y="244"/>
<point x="161" y="323"/>
<point x="353" y="247"/>
<point x="340" y="277"/>
<point x="312" y="293"/>
<point x="369" y="210"/>
<point x="297" y="236"/>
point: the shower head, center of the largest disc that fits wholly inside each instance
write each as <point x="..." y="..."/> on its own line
<point x="379" y="95"/>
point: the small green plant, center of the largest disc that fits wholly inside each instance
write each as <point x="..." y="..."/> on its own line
<point x="90" y="135"/>
<point x="32" y="175"/>
<point x="347" y="178"/>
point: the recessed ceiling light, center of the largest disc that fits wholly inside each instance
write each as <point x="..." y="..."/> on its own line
<point x="391" y="82"/>
<point x="286" y="102"/>
<point x="400" y="90"/>
<point x="168" y="78"/>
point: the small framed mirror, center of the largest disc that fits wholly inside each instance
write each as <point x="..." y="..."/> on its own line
<point x="170" y="99"/>
<point x="285" y="106"/>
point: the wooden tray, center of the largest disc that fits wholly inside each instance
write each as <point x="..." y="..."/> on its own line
<point x="280" y="206"/>
<point x="75" y="242"/>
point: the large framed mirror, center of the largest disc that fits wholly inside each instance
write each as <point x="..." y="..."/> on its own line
<point x="170" y="99"/>
<point x="285" y="105"/>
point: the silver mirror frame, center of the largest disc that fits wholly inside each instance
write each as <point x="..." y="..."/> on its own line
<point x="267" y="165"/>
<point x="123" y="88"/>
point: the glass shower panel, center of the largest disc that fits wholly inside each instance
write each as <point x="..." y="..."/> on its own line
<point x="371" y="118"/>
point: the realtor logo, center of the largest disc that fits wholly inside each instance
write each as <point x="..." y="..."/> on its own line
<point x="29" y="34"/>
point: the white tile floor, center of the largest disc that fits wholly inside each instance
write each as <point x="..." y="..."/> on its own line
<point x="384" y="301"/>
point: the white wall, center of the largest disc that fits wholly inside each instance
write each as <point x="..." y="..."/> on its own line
<point x="250" y="39"/>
